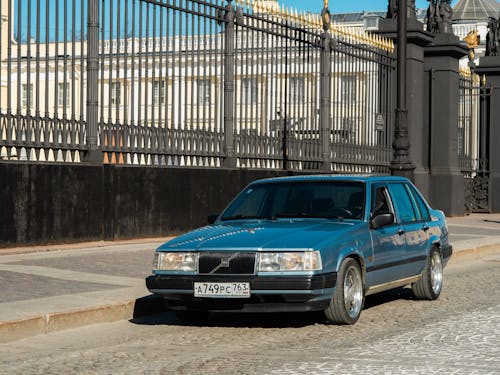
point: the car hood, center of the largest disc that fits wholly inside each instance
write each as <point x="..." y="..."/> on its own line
<point x="262" y="235"/>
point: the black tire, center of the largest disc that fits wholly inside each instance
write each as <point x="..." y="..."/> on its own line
<point x="345" y="306"/>
<point x="430" y="284"/>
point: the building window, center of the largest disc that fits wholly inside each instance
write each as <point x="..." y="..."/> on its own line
<point x="204" y="91"/>
<point x="159" y="92"/>
<point x="297" y="89"/>
<point x="371" y="23"/>
<point x="249" y="90"/>
<point x="62" y="92"/>
<point x="115" y="93"/>
<point x="27" y="101"/>
<point x="348" y="132"/>
<point x="348" y="88"/>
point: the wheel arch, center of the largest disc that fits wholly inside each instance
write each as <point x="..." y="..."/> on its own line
<point x="435" y="242"/>
<point x="361" y="262"/>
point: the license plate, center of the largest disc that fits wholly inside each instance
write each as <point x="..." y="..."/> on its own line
<point x="222" y="290"/>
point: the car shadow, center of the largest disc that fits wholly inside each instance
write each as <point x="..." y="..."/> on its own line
<point x="403" y="293"/>
<point x="151" y="311"/>
<point x="235" y="320"/>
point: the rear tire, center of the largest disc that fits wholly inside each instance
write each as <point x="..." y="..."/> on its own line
<point x="348" y="299"/>
<point x="430" y="284"/>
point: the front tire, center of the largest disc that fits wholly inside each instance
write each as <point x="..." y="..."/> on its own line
<point x="430" y="284"/>
<point x="348" y="298"/>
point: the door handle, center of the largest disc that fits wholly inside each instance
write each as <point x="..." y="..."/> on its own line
<point x="401" y="232"/>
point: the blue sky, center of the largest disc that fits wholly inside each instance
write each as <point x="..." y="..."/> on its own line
<point x="344" y="6"/>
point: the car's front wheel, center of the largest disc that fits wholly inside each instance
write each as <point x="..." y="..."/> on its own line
<point x="348" y="298"/>
<point x="430" y="284"/>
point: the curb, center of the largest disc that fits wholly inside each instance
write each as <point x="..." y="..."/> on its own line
<point x="53" y="322"/>
<point x="474" y="252"/>
<point x="80" y="245"/>
<point x="131" y="309"/>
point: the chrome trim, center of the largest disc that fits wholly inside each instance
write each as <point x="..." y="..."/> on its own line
<point x="391" y="285"/>
<point x="224" y="263"/>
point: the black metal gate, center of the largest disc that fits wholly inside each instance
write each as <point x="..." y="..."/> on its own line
<point x="473" y="135"/>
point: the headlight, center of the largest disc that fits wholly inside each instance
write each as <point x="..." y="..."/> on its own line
<point x="175" y="261"/>
<point x="296" y="261"/>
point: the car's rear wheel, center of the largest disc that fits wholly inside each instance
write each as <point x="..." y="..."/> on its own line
<point x="347" y="300"/>
<point x="430" y="284"/>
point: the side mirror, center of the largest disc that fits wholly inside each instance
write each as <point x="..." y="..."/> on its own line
<point x="212" y="218"/>
<point x="382" y="220"/>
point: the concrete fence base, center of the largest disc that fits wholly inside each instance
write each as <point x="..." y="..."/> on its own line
<point x="61" y="203"/>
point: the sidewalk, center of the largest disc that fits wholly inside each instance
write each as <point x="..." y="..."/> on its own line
<point x="50" y="288"/>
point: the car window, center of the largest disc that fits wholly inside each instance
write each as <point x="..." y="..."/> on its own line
<point x="250" y="204"/>
<point x="422" y="207"/>
<point x="320" y="199"/>
<point x="380" y="202"/>
<point x="406" y="210"/>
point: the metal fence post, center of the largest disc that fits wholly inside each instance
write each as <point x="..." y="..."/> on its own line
<point x="229" y="55"/>
<point x="325" y="90"/>
<point x="93" y="153"/>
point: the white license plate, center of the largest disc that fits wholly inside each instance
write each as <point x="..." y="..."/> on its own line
<point x="222" y="290"/>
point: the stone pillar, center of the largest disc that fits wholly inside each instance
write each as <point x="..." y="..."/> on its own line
<point x="490" y="67"/>
<point x="418" y="134"/>
<point x="441" y="112"/>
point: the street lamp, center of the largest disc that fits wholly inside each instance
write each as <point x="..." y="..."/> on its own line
<point x="401" y="164"/>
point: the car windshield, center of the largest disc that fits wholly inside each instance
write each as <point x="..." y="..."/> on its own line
<point x="299" y="199"/>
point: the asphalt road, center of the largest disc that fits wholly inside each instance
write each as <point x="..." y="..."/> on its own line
<point x="457" y="334"/>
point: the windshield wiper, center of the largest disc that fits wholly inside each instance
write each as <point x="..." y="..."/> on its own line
<point x="308" y="215"/>
<point x="240" y="217"/>
<point x="294" y="215"/>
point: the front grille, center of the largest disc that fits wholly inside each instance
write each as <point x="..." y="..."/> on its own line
<point x="226" y="263"/>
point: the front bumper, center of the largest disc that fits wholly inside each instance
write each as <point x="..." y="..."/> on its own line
<point x="268" y="293"/>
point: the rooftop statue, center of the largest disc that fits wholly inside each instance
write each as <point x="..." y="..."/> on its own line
<point x="392" y="9"/>
<point x="439" y="17"/>
<point x="493" y="37"/>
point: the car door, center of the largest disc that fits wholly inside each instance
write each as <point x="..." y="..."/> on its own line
<point x="388" y="242"/>
<point x="415" y="229"/>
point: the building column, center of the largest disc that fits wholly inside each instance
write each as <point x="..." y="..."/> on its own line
<point x="489" y="66"/>
<point x="441" y="64"/>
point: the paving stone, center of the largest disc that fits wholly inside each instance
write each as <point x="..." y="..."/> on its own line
<point x="137" y="264"/>
<point x="20" y="286"/>
<point x="457" y="334"/>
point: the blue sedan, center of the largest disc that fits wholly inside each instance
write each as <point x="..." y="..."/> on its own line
<point x="307" y="243"/>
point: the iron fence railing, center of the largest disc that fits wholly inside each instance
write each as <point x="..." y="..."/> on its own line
<point x="473" y="140"/>
<point x="192" y="83"/>
<point x="471" y="146"/>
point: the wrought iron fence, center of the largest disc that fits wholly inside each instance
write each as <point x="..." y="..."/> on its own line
<point x="472" y="140"/>
<point x="43" y="74"/>
<point x="192" y="83"/>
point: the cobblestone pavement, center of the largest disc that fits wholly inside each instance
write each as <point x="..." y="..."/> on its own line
<point x="457" y="334"/>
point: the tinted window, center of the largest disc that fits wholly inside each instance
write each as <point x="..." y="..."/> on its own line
<point x="406" y="210"/>
<point x="300" y="199"/>
<point x="380" y="202"/>
<point x="422" y="207"/>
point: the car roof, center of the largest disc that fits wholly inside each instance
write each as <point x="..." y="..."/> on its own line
<point x="332" y="177"/>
